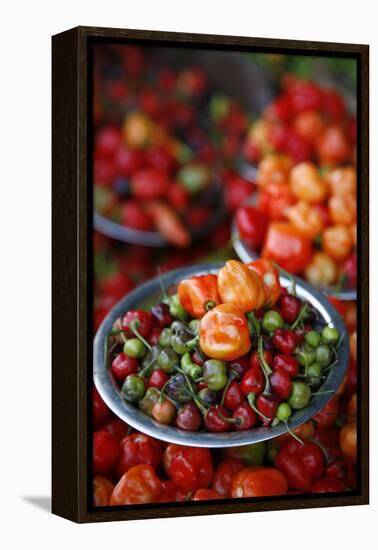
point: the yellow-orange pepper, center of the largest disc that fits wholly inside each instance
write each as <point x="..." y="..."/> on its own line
<point x="322" y="270"/>
<point x="337" y="242"/>
<point x="197" y="293"/>
<point x="343" y="209"/>
<point x="240" y="286"/>
<point x="307" y="184"/>
<point x="306" y="219"/>
<point x="274" y="169"/>
<point x="342" y="180"/>
<point x="348" y="441"/>
<point x="270" y="278"/>
<point x="224" y="333"/>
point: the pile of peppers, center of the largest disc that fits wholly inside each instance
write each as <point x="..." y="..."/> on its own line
<point x="227" y="352"/>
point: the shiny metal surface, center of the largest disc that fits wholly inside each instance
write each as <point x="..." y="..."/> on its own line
<point x="147" y="294"/>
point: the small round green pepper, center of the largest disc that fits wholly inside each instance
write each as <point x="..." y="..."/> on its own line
<point x="165" y="337"/>
<point x="323" y="355"/>
<point x="167" y="360"/>
<point x="272" y="320"/>
<point x="215" y="374"/>
<point x="134" y="348"/>
<point x="300" y="395"/>
<point x="313" y="338"/>
<point x="330" y="335"/>
<point x="133" y="388"/>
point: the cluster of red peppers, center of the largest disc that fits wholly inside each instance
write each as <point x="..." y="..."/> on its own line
<point x="133" y="468"/>
<point x="227" y="352"/>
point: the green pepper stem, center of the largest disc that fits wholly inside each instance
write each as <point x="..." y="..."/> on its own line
<point x="144" y="370"/>
<point x="302" y="313"/>
<point x="210" y="304"/>
<point x="256" y="325"/>
<point x="191" y="344"/>
<point x="191" y="392"/>
<point x="225" y="391"/>
<point x="134" y="325"/>
<point x="267" y="371"/>
<point x="251" y="402"/>
<point x="292" y="433"/>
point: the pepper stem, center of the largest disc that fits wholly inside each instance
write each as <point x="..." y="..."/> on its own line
<point x="290" y="431"/>
<point x="134" y="325"/>
<point x="302" y="313"/>
<point x="251" y="402"/>
<point x="210" y="304"/>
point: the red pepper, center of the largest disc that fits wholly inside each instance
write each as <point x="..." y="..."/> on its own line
<point x="233" y="396"/>
<point x="123" y="365"/>
<point x="285" y="340"/>
<point x="301" y="463"/>
<point x="142" y="320"/>
<point x="329" y="484"/>
<point x="252" y="225"/>
<point x="280" y="383"/>
<point x="191" y="468"/>
<point x="224" y="475"/>
<point x="138" y="449"/>
<point x="253" y="381"/>
<point x="270" y="279"/>
<point x="206" y="494"/>
<point x="267" y="405"/>
<point x="285" y="245"/>
<point x="197" y="293"/>
<point x="245" y="417"/>
<point x="286" y="363"/>
<point x="328" y="414"/>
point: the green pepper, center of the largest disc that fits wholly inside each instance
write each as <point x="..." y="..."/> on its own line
<point x="215" y="374"/>
<point x="134" y="348"/>
<point x="178" y="390"/>
<point x="219" y="107"/>
<point x="300" y="395"/>
<point x="168" y="360"/>
<point x="323" y="355"/>
<point x="176" y="309"/>
<point x="283" y="412"/>
<point x="191" y="369"/>
<point x="330" y="335"/>
<point x="250" y="455"/>
<point x="150" y="398"/>
<point x="305" y="355"/>
<point x="312" y="338"/>
<point x="194" y="177"/>
<point x="165" y="337"/>
<point x="194" y="326"/>
<point x="179" y="342"/>
<point x="272" y="320"/>
<point x="207" y="397"/>
<point x="133" y="388"/>
<point x="314" y="372"/>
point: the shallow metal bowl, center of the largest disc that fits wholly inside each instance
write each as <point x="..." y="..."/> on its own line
<point x="154" y="238"/>
<point x="145" y="296"/>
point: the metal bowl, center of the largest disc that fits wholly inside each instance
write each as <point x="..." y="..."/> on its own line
<point x="147" y="294"/>
<point x="247" y="254"/>
<point x="154" y="238"/>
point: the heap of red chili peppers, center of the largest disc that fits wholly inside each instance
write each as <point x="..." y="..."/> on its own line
<point x="227" y="352"/>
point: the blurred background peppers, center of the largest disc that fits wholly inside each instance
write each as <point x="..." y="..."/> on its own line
<point x="161" y="132"/>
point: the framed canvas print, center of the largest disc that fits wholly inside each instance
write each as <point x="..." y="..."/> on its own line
<point x="210" y="274"/>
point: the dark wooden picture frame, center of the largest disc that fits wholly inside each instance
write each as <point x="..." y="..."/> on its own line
<point x="72" y="273"/>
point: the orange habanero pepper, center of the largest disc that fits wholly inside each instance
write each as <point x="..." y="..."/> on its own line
<point x="224" y="333"/>
<point x="198" y="291"/>
<point x="270" y="278"/>
<point x="287" y="246"/>
<point x="240" y="286"/>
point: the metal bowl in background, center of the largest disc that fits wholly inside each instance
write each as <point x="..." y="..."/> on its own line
<point x="247" y="254"/>
<point x="145" y="296"/>
<point x="232" y="73"/>
<point x="154" y="238"/>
